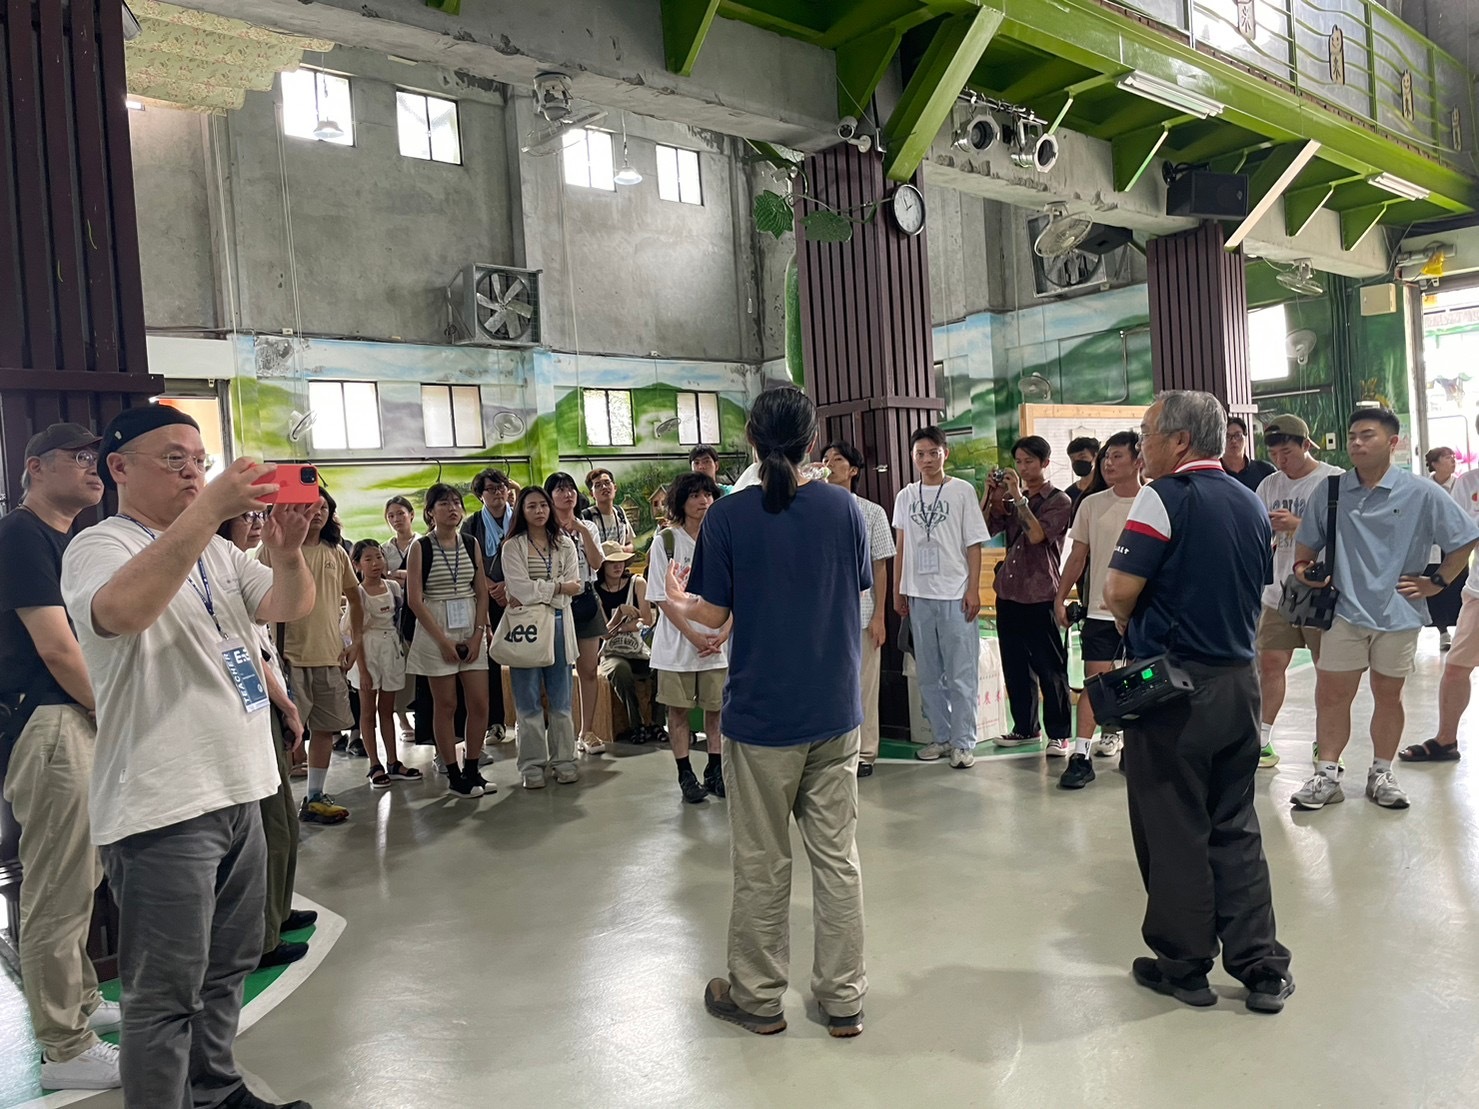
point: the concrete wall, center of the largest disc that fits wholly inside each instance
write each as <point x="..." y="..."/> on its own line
<point x="171" y="171"/>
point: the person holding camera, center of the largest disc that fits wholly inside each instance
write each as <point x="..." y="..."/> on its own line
<point x="1096" y="529"/>
<point x="1387" y="521"/>
<point x="1186" y="580"/>
<point x="1034" y="516"/>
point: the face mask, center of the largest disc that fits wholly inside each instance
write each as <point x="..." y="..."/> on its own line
<point x="1082" y="467"/>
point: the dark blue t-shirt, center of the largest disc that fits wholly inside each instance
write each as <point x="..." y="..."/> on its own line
<point x="1203" y="544"/>
<point x="792" y="580"/>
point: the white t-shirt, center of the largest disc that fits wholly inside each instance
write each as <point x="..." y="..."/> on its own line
<point x="1466" y="492"/>
<point x="174" y="741"/>
<point x="955" y="523"/>
<point x="587" y="571"/>
<point x="1295" y="496"/>
<point x="670" y="651"/>
<point x="1100" y="519"/>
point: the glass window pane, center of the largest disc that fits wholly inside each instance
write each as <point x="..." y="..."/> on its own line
<point x="708" y="417"/>
<point x="436" y="415"/>
<point x="326" y="400"/>
<point x="667" y="173"/>
<point x="597" y="425"/>
<point x="619" y="403"/>
<point x="688" y="419"/>
<point x="362" y="415"/>
<point x="446" y="142"/>
<point x="299" y="110"/>
<point x="1267" y="357"/>
<point x="467" y="415"/>
<point x="598" y="146"/>
<point x="577" y="172"/>
<point x="688" y="183"/>
<point x="410" y="123"/>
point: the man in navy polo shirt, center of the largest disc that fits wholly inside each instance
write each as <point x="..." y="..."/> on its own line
<point x="789" y="560"/>
<point x="1187" y="579"/>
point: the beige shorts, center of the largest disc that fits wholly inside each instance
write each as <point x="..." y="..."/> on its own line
<point x="1275" y="633"/>
<point x="701" y="689"/>
<point x="322" y="696"/>
<point x="1465" y="649"/>
<point x="1346" y="647"/>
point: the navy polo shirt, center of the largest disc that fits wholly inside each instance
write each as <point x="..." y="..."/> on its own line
<point x="1203" y="544"/>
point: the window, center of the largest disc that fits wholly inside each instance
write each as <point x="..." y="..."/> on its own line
<point x="428" y="127"/>
<point x="608" y="417"/>
<point x="1268" y="359"/>
<point x="315" y="105"/>
<point x="588" y="159"/>
<point x="347" y="415"/>
<point x="677" y="175"/>
<point x="452" y="415"/>
<point x="698" y="418"/>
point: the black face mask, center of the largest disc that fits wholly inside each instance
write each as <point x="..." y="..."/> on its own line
<point x="1082" y="467"/>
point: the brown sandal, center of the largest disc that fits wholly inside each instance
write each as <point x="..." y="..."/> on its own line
<point x="1430" y="751"/>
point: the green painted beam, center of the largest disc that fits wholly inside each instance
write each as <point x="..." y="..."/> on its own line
<point x="1356" y="222"/>
<point x="925" y="106"/>
<point x="863" y="18"/>
<point x="685" y="25"/>
<point x="1049" y="78"/>
<point x="1133" y="153"/>
<point x="779" y="16"/>
<point x="1270" y="181"/>
<point x="1301" y="205"/>
<point x="1204" y="143"/>
<point x="861" y="64"/>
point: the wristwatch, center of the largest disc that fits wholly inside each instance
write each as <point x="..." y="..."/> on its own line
<point x="1437" y="579"/>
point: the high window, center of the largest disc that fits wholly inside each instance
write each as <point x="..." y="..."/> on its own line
<point x="588" y="159"/>
<point x="698" y="418"/>
<point x="677" y="175"/>
<point x="427" y="126"/>
<point x="608" y="417"/>
<point x="1268" y="356"/>
<point x="452" y="415"/>
<point x="347" y="415"/>
<point x="316" y="105"/>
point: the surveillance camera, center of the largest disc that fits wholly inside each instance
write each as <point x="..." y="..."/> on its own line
<point x="847" y="127"/>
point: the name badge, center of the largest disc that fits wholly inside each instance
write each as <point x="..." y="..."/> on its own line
<point x="243" y="674"/>
<point x="927" y="560"/>
<point x="459" y="612"/>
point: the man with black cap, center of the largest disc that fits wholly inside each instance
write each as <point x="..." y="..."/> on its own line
<point x="48" y="734"/>
<point x="166" y="612"/>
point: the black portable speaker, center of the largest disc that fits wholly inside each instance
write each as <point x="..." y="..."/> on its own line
<point x="1205" y="195"/>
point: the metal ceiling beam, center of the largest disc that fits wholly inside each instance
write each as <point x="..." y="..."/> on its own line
<point x="861" y="64"/>
<point x="1301" y="205"/>
<point x="1270" y="181"/>
<point x="685" y="25"/>
<point x="1356" y="222"/>
<point x="772" y="15"/>
<point x="943" y="71"/>
<point x="1211" y="141"/>
<point x="1132" y="154"/>
<point x="865" y="18"/>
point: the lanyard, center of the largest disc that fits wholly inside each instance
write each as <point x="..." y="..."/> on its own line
<point x="927" y="518"/>
<point x="454" y="569"/>
<point x="617" y="519"/>
<point x="548" y="560"/>
<point x="203" y="591"/>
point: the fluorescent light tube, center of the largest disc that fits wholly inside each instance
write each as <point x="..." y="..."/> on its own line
<point x="1171" y="95"/>
<point x="1405" y="189"/>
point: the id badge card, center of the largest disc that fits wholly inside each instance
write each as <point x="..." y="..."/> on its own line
<point x="459" y="613"/>
<point x="927" y="561"/>
<point x="243" y="674"/>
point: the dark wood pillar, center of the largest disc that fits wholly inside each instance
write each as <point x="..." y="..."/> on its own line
<point x="868" y="345"/>
<point x="1199" y="316"/>
<point x="71" y="306"/>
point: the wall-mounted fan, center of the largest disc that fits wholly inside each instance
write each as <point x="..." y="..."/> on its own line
<point x="667" y="426"/>
<point x="1062" y="234"/>
<point x="1299" y="278"/>
<point x="300" y="423"/>
<point x="508" y="425"/>
<point x="1035" y="389"/>
<point x="1299" y="345"/>
<point x="551" y="140"/>
<point x="1059" y="262"/>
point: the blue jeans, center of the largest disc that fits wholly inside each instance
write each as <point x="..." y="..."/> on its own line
<point x="539" y="748"/>
<point x="947" y="653"/>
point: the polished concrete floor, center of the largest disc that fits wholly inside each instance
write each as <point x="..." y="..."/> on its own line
<point x="539" y="949"/>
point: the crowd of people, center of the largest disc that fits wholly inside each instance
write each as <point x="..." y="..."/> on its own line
<point x="221" y="645"/>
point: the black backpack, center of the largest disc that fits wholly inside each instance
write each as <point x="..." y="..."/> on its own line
<point x="406" y="619"/>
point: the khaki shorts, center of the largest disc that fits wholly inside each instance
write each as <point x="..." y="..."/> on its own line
<point x="1346" y="647"/>
<point x="322" y="696"/>
<point x="701" y="689"/>
<point x="1465" y="649"/>
<point x="1275" y="633"/>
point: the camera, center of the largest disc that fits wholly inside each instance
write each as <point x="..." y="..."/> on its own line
<point x="997" y="477"/>
<point x="1074" y="612"/>
<point x="1316" y="571"/>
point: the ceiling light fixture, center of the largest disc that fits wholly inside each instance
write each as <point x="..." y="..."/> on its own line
<point x="1171" y="95"/>
<point x="1395" y="185"/>
<point x="627" y="174"/>
<point x="325" y="129"/>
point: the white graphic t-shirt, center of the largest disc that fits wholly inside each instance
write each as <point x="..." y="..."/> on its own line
<point x="939" y="522"/>
<point x="1294" y="496"/>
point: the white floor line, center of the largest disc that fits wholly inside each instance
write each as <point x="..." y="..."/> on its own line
<point x="327" y="930"/>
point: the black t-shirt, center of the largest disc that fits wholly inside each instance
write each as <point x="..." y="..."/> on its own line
<point x="612" y="600"/>
<point x="30" y="577"/>
<point x="1252" y="473"/>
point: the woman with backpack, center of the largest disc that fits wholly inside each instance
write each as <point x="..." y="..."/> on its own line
<point x="624" y="652"/>
<point x="448" y="594"/>
<point x="540" y="567"/>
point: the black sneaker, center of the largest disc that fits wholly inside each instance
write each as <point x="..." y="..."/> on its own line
<point x="355" y="749"/>
<point x="1268" y="992"/>
<point x="341" y="741"/>
<point x="1188" y="991"/>
<point x="714" y="778"/>
<point x="865" y="770"/>
<point x="299" y="919"/>
<point x="242" y="1098"/>
<point x="1080" y="772"/>
<point x="460" y="785"/>
<point x="470" y="773"/>
<point x="842" y="1028"/>
<point x="693" y="792"/>
<point x="284" y="953"/>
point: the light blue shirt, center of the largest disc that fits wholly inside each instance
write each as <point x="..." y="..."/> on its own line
<point x="1381" y="534"/>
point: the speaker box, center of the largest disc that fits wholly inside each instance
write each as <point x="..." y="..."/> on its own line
<point x="1102" y="239"/>
<point x="1204" y="195"/>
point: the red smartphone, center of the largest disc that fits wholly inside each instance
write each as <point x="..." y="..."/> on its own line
<point x="297" y="484"/>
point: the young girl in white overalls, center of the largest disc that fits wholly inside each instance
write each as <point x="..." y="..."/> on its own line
<point x="381" y="671"/>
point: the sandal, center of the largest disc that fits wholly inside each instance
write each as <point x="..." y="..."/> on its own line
<point x="400" y="772"/>
<point x="378" y="778"/>
<point x="1430" y="750"/>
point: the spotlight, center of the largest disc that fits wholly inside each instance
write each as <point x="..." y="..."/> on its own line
<point x="978" y="135"/>
<point x="1031" y="149"/>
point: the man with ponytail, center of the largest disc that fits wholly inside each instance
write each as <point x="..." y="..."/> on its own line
<point x="788" y="559"/>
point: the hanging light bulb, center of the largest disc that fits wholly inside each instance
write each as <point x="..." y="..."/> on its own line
<point x="627" y="174"/>
<point x="326" y="129"/>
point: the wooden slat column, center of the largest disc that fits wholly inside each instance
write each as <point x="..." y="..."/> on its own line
<point x="1199" y="316"/>
<point x="71" y="306"/>
<point x="868" y="345"/>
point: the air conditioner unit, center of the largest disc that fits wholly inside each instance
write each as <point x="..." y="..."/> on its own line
<point x="492" y="305"/>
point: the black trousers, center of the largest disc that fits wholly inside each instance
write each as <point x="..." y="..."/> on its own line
<point x="1033" y="657"/>
<point x="1189" y="769"/>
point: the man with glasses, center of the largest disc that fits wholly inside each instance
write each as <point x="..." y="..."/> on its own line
<point x="166" y="611"/>
<point x="49" y="736"/>
<point x="488" y="527"/>
<point x="606" y="514"/>
<point x="1249" y="472"/>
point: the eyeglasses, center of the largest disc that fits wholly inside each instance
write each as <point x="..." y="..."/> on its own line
<point x="253" y="517"/>
<point x="175" y="461"/>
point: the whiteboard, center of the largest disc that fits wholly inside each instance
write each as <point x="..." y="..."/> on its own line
<point x="1060" y="424"/>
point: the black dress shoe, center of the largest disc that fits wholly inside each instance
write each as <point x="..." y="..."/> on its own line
<point x="242" y="1098"/>
<point x="299" y="919"/>
<point x="284" y="953"/>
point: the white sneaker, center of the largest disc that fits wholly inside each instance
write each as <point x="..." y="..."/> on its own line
<point x="510" y="734"/>
<point x="932" y="752"/>
<point x="1059" y="748"/>
<point x="436" y="760"/>
<point x="494" y="734"/>
<point x="1382" y="787"/>
<point x="1318" y="792"/>
<point x="533" y="779"/>
<point x="1108" y="744"/>
<point x="591" y="744"/>
<point x="1445" y="641"/>
<point x="962" y="759"/>
<point x="566" y="775"/>
<point x="107" y="1017"/>
<point x="95" y="1069"/>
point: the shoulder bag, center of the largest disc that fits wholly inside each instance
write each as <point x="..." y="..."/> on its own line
<point x="525" y="639"/>
<point x="629" y="644"/>
<point x="1305" y="606"/>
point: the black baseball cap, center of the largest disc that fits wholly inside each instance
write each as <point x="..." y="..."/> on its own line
<point x="61" y="437"/>
<point x="129" y="424"/>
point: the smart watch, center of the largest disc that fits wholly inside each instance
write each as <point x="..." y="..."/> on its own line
<point x="1437" y="579"/>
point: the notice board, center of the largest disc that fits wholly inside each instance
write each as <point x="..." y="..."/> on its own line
<point x="1060" y="424"/>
